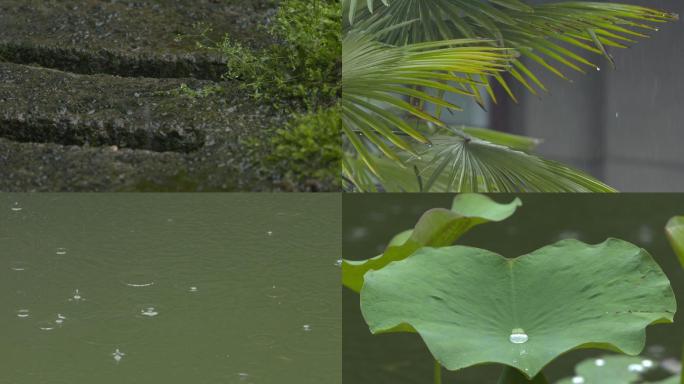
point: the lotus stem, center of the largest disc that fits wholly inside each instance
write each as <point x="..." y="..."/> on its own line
<point x="438" y="372"/>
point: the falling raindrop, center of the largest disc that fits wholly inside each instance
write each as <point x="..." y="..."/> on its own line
<point x="306" y="327"/>
<point x="635" y="368"/>
<point x="518" y="336"/>
<point x="577" y="380"/>
<point x="149" y="312"/>
<point x="16" y="207"/>
<point x="600" y="362"/>
<point x="23" y="313"/>
<point x="617" y="114"/>
<point x="61" y="251"/>
<point x="645" y="234"/>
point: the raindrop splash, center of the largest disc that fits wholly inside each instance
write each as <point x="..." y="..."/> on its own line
<point x="518" y="336"/>
<point x="16" y="207"/>
<point x="149" y="312"/>
<point x="338" y="263"/>
<point x="600" y="362"/>
<point x="647" y="363"/>
<point x="140" y="285"/>
<point x="577" y="380"/>
<point x="61" y="251"/>
<point x="193" y="289"/>
<point x="23" y="313"/>
<point x="306" y="328"/>
<point x="635" y="368"/>
<point x="118" y="355"/>
<point x="77" y="296"/>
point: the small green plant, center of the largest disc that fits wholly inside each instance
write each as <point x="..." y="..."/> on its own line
<point x="471" y="306"/>
<point x="303" y="62"/>
<point x="310" y="146"/>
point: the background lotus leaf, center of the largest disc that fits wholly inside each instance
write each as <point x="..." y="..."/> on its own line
<point x="675" y="232"/>
<point x="614" y="369"/>
<point x="437" y="227"/>
<point x="469" y="305"/>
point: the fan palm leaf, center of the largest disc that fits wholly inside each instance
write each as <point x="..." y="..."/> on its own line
<point x="377" y="79"/>
<point x="544" y="34"/>
<point x="470" y="164"/>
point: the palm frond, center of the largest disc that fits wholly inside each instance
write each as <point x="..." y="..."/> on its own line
<point x="469" y="164"/>
<point x="377" y="77"/>
<point x="552" y="35"/>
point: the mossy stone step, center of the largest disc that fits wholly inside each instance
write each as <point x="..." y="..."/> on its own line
<point x="35" y="167"/>
<point x="127" y="38"/>
<point x="45" y="105"/>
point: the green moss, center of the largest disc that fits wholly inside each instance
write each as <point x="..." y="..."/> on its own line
<point x="309" y="147"/>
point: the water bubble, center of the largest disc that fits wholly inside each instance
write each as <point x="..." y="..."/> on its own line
<point x="635" y="368"/>
<point x="338" y="263"/>
<point x="61" y="251"/>
<point x="577" y="380"/>
<point x="600" y="362"/>
<point x="306" y="327"/>
<point x="118" y="355"/>
<point x="16" y="207"/>
<point x="23" y="313"/>
<point x="193" y="289"/>
<point x="149" y="312"/>
<point x="518" y="336"/>
<point x="647" y="363"/>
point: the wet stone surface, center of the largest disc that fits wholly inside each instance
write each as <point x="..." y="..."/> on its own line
<point x="91" y="100"/>
<point x="45" y="105"/>
<point x="127" y="38"/>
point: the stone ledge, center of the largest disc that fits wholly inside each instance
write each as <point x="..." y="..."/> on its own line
<point x="128" y="38"/>
<point x="44" y="105"/>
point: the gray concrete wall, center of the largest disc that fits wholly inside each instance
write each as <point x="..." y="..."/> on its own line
<point x="623" y="125"/>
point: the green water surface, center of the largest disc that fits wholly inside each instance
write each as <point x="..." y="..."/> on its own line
<point x="196" y="288"/>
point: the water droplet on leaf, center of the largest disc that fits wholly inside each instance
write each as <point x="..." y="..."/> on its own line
<point x="518" y="336"/>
